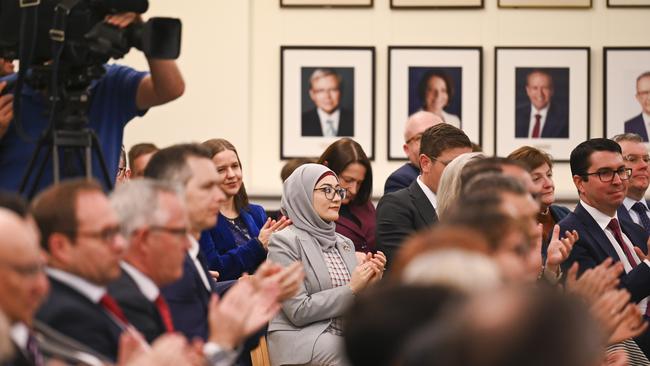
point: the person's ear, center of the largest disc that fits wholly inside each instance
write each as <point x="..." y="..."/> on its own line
<point x="406" y="149"/>
<point x="425" y="163"/>
<point x="579" y="183"/>
<point x="325" y="163"/>
<point x="60" y="247"/>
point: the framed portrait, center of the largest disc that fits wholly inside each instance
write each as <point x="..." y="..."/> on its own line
<point x="542" y="99"/>
<point x="628" y="3"/>
<point x="326" y="93"/>
<point x="545" y="3"/>
<point x="446" y="81"/>
<point x="326" y="3"/>
<point x="429" y="4"/>
<point x="626" y="91"/>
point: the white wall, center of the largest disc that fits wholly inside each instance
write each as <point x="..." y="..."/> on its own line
<point x="231" y="63"/>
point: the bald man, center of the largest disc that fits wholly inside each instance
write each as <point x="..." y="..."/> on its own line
<point x="413" y="129"/>
<point x="23" y="284"/>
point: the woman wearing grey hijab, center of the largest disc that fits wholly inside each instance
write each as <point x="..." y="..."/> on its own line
<point x="308" y="329"/>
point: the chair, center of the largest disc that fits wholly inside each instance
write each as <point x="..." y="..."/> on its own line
<point x="260" y="355"/>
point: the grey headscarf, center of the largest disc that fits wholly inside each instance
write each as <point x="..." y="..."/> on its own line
<point x="297" y="204"/>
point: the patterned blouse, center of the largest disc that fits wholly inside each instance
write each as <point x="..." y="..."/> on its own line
<point x="340" y="276"/>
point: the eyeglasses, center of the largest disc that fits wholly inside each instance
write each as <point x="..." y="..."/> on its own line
<point x="607" y="175"/>
<point x="177" y="231"/>
<point x="106" y="235"/>
<point x="635" y="158"/>
<point x="445" y="163"/>
<point x="331" y="191"/>
<point x="416" y="137"/>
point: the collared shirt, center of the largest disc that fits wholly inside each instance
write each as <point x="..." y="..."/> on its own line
<point x="93" y="292"/>
<point x="603" y="220"/>
<point x="325" y="127"/>
<point x="19" y="334"/>
<point x="543" y="113"/>
<point x="646" y="120"/>
<point x="628" y="203"/>
<point x="193" y="253"/>
<point x="428" y="192"/>
<point x="144" y="283"/>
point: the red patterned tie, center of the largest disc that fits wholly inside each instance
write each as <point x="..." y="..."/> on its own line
<point x="165" y="314"/>
<point x="538" y="121"/>
<point x="111" y="306"/>
<point x="616" y="229"/>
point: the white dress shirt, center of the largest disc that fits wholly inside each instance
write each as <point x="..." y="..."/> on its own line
<point x="194" y="252"/>
<point x="628" y="203"/>
<point x="603" y="220"/>
<point x="93" y="292"/>
<point x="19" y="334"/>
<point x="324" y="117"/>
<point x="428" y="192"/>
<point x="542" y="121"/>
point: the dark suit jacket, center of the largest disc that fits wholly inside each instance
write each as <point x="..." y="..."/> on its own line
<point x="400" y="214"/>
<point x="141" y="312"/>
<point x="401" y="178"/>
<point x="311" y="123"/>
<point x="636" y="125"/>
<point x="556" y="125"/>
<point x="19" y="358"/>
<point x="73" y="314"/>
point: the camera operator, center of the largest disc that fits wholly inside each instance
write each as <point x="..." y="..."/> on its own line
<point x="117" y="97"/>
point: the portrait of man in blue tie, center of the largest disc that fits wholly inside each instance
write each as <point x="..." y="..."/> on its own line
<point x="543" y="110"/>
<point x="326" y="112"/>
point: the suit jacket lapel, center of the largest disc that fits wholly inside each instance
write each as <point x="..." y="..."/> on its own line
<point x="594" y="231"/>
<point x="347" y="253"/>
<point x="422" y="204"/>
<point x="314" y="255"/>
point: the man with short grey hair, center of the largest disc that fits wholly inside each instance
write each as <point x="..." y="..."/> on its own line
<point x="635" y="156"/>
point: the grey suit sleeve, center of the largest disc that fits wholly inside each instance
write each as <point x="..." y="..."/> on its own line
<point x="307" y="306"/>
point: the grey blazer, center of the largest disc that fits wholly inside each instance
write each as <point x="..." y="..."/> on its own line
<point x="293" y="332"/>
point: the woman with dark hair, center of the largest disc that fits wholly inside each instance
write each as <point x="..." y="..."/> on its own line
<point x="436" y="90"/>
<point x="239" y="241"/>
<point x="541" y="170"/>
<point x="346" y="158"/>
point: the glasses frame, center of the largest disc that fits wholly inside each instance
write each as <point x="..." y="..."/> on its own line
<point x="612" y="172"/>
<point x="342" y="192"/>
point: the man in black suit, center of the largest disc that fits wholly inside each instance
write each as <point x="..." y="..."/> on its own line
<point x="640" y="123"/>
<point x="540" y="118"/>
<point x="635" y="155"/>
<point x="80" y="232"/>
<point x="153" y="216"/>
<point x="601" y="178"/>
<point x="413" y="130"/>
<point x="410" y="209"/>
<point x="328" y="119"/>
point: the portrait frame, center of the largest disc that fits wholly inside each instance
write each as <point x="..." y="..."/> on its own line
<point x="326" y="3"/>
<point x="355" y="67"/>
<point x="436" y="4"/>
<point x="628" y="3"/>
<point x="564" y="125"/>
<point x="461" y="67"/>
<point x="546" y="4"/>
<point x="621" y="68"/>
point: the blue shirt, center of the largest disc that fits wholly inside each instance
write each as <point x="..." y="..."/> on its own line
<point x="113" y="104"/>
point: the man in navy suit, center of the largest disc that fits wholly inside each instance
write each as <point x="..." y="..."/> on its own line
<point x="328" y="118"/>
<point x="640" y="123"/>
<point x="541" y="118"/>
<point x="601" y="178"/>
<point x="413" y="130"/>
<point x="635" y="154"/>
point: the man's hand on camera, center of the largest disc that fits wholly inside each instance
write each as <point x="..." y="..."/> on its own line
<point x="6" y="110"/>
<point x="123" y="20"/>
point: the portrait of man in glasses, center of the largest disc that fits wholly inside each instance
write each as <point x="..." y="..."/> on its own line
<point x="326" y="112"/>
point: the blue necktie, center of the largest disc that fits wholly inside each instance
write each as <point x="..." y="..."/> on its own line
<point x="640" y="209"/>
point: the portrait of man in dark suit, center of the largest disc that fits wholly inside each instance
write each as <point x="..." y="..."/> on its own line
<point x="543" y="112"/>
<point x="323" y="110"/>
<point x="640" y="123"/>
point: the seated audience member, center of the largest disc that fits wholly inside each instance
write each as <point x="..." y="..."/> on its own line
<point x="139" y="156"/>
<point x="154" y="220"/>
<point x="293" y="164"/>
<point x="356" y="222"/>
<point x="601" y="178"/>
<point x="413" y="130"/>
<point x="23" y="287"/>
<point x="123" y="171"/>
<point x="635" y="155"/>
<point x="408" y="210"/>
<point x="309" y="329"/>
<point x="512" y="326"/>
<point x="450" y="185"/>
<point x="381" y="320"/>
<point x="239" y="241"/>
<point x="540" y="165"/>
<point x="80" y="232"/>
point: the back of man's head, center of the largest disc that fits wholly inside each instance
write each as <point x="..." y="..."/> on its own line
<point x="55" y="209"/>
<point x="171" y="163"/>
<point x="441" y="137"/>
<point x="140" y="149"/>
<point x="15" y="203"/>
<point x="580" y="159"/>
